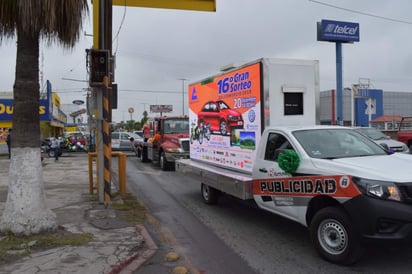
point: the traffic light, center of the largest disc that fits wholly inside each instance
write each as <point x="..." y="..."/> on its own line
<point x="99" y="66"/>
<point x="113" y="97"/>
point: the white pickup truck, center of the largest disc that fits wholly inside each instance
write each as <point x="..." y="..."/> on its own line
<point x="345" y="188"/>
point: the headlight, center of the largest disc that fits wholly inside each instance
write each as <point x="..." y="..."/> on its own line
<point x="173" y="150"/>
<point x="378" y="189"/>
<point x="233" y="118"/>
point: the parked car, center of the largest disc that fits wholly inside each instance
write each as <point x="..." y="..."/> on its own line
<point x="381" y="139"/>
<point x="220" y="117"/>
<point x="138" y="132"/>
<point x="124" y="140"/>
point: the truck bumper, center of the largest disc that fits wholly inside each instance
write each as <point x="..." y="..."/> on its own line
<point x="171" y="157"/>
<point x="381" y="221"/>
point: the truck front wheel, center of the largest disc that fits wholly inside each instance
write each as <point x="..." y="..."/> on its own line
<point x="335" y="239"/>
<point x="210" y="195"/>
<point x="164" y="164"/>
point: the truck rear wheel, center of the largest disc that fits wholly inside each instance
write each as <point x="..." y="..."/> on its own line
<point x="335" y="239"/>
<point x="210" y="195"/>
<point x="143" y="153"/>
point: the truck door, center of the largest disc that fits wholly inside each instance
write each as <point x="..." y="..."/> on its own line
<point x="269" y="195"/>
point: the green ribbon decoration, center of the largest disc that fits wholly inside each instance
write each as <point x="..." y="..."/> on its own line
<point x="288" y="161"/>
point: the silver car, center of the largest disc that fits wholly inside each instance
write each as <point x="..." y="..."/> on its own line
<point x="381" y="139"/>
<point x="123" y="140"/>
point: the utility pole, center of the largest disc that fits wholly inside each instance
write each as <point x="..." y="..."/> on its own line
<point x="183" y="95"/>
<point x="101" y="82"/>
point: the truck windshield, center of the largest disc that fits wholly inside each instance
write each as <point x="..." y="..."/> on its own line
<point x="336" y="143"/>
<point x="176" y="126"/>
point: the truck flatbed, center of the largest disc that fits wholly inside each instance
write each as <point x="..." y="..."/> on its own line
<point x="237" y="184"/>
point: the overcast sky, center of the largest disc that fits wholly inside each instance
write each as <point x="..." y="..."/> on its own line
<point x="155" y="48"/>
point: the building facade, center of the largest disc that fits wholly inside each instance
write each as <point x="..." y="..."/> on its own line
<point x="52" y="119"/>
<point x="364" y="106"/>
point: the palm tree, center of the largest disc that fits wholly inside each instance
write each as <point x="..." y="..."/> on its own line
<point x="31" y="20"/>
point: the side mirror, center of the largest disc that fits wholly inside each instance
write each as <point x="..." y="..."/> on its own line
<point x="387" y="148"/>
<point x="277" y="152"/>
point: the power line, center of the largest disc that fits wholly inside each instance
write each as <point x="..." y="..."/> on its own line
<point x="363" y="13"/>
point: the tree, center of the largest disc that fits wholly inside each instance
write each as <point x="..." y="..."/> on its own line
<point x="29" y="21"/>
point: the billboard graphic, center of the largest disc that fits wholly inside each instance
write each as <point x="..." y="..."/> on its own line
<point x="224" y="113"/>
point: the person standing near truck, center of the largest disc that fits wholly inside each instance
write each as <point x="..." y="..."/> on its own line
<point x="146" y="132"/>
<point x="8" y="141"/>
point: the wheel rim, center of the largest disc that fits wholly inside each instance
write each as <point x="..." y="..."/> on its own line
<point x="205" y="192"/>
<point x="333" y="237"/>
<point x="162" y="161"/>
<point x="223" y="128"/>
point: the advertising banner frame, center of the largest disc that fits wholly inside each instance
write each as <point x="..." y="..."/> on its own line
<point x="225" y="117"/>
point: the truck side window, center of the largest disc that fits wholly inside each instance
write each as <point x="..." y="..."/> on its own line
<point x="276" y="143"/>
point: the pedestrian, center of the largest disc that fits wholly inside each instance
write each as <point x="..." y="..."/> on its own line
<point x="8" y="141"/>
<point x="146" y="131"/>
<point x="55" y="146"/>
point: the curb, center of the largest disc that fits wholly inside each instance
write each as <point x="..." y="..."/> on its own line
<point x="133" y="262"/>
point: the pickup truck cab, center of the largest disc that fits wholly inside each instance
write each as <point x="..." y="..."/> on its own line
<point x="348" y="190"/>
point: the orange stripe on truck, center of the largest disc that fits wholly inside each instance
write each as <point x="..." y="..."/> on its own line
<point x="337" y="186"/>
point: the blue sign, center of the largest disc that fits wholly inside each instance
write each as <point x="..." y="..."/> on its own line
<point x="368" y="104"/>
<point x="6" y="110"/>
<point x="337" y="31"/>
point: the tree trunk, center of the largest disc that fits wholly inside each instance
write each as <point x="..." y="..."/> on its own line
<point x="25" y="210"/>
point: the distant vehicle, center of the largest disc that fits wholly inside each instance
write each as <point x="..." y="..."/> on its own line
<point x="404" y="134"/>
<point x="75" y="137"/>
<point x="220" y="117"/>
<point x="123" y="140"/>
<point x="381" y="139"/>
<point x="169" y="141"/>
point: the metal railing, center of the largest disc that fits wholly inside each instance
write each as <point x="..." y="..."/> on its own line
<point x="121" y="172"/>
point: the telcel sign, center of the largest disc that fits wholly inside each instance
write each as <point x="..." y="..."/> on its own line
<point x="336" y="31"/>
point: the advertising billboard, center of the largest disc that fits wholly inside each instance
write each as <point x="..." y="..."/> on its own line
<point x="6" y="110"/>
<point x="225" y="118"/>
<point x="337" y="31"/>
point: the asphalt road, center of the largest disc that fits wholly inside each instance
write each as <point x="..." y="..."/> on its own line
<point x="233" y="236"/>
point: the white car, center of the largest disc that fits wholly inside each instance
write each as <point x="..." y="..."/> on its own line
<point x="381" y="139"/>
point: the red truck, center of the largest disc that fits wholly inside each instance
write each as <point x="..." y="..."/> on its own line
<point x="169" y="141"/>
<point x="404" y="133"/>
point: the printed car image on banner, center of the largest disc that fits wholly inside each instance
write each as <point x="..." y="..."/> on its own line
<point x="224" y="114"/>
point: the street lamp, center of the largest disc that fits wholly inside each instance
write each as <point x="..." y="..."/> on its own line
<point x="183" y="95"/>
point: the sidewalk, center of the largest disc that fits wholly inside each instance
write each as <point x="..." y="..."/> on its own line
<point x="117" y="246"/>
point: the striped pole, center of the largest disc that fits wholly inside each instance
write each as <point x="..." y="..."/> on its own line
<point x="107" y="149"/>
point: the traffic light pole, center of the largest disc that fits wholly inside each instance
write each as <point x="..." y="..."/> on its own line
<point x="102" y="42"/>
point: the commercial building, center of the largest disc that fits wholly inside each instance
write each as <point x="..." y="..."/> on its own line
<point x="364" y="106"/>
<point x="52" y="118"/>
